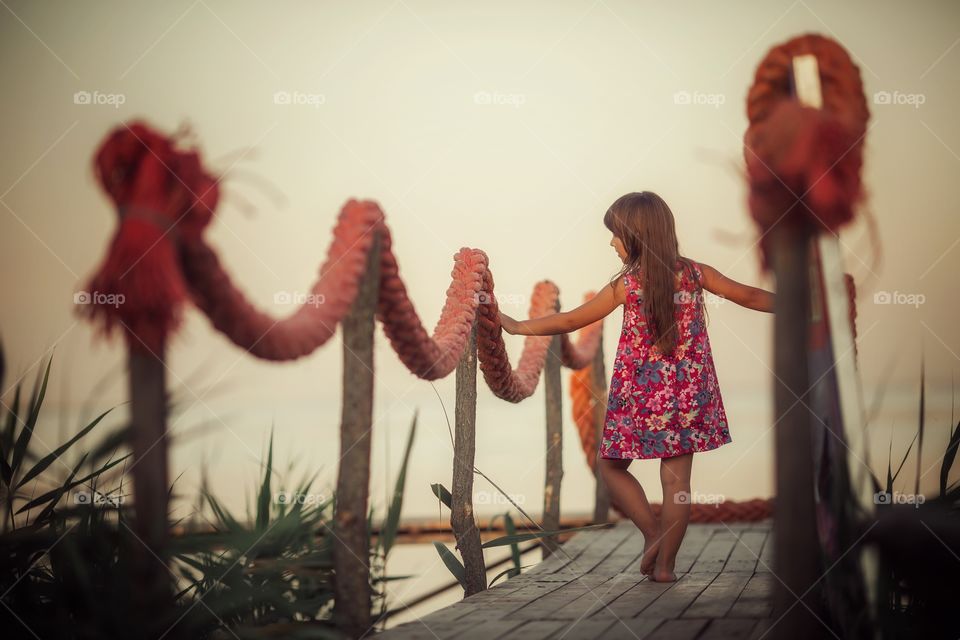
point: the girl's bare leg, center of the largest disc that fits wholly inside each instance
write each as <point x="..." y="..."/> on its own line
<point x="630" y="497"/>
<point x="675" y="514"/>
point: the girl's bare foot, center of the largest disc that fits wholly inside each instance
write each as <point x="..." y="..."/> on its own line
<point x="662" y="575"/>
<point x="651" y="545"/>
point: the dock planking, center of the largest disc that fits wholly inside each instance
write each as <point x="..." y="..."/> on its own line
<point x="593" y="588"/>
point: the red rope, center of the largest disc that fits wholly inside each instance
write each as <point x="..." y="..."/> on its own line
<point x="160" y="253"/>
<point x="803" y="163"/>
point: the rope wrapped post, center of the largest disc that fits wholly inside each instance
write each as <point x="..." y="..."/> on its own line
<point x="462" y="519"/>
<point x="554" y="474"/>
<point x="351" y="543"/>
<point x="598" y="389"/>
<point x="803" y="165"/>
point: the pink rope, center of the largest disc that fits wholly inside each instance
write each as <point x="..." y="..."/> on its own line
<point x="428" y="356"/>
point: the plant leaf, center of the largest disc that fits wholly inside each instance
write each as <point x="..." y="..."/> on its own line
<point x="388" y="533"/>
<point x="48" y="459"/>
<point x="452" y="562"/>
<point x="263" y="501"/>
<point x="23" y="440"/>
<point x="441" y="492"/>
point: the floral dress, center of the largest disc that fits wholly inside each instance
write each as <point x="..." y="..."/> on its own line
<point x="660" y="406"/>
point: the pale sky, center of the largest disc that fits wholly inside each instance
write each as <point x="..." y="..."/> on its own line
<point x="510" y="127"/>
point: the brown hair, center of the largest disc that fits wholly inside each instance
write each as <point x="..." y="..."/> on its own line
<point x="645" y="225"/>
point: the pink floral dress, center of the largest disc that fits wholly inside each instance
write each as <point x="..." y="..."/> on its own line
<point x="659" y="406"/>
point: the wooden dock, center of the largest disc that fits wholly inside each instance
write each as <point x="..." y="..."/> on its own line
<point x="593" y="588"/>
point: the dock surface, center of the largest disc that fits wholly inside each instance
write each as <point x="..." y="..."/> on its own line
<point x="593" y="588"/>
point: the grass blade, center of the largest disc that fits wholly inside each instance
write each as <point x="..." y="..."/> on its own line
<point x="441" y="492"/>
<point x="48" y="459"/>
<point x="389" y="532"/>
<point x="452" y="562"/>
<point x="23" y="440"/>
<point x="263" y="500"/>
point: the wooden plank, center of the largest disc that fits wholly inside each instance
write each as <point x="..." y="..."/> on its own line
<point x="692" y="546"/>
<point x="636" y="600"/>
<point x="675" y="600"/>
<point x="550" y="602"/>
<point x="631" y="629"/>
<point x="729" y="629"/>
<point x="715" y="553"/>
<point x="601" y="593"/>
<point x="764" y="629"/>
<point x="584" y="628"/>
<point x="574" y="548"/>
<point x="746" y="552"/>
<point x="717" y="599"/>
<point x="537" y="630"/>
<point x="765" y="563"/>
<point x="687" y="629"/>
<point x="592" y="602"/>
<point x="755" y="599"/>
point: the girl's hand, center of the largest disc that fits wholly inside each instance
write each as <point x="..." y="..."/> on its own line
<point x="509" y="324"/>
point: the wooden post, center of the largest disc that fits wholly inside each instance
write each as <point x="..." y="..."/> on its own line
<point x="551" y="487"/>
<point x="598" y="390"/>
<point x="796" y="549"/>
<point x="462" y="519"/>
<point x="351" y="544"/>
<point x="148" y="411"/>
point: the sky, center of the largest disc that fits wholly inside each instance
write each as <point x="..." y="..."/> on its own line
<point x="509" y="127"/>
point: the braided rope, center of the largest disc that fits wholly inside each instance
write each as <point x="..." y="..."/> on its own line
<point x="159" y="257"/>
<point x="470" y="295"/>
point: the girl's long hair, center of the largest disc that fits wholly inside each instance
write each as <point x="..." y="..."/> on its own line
<point x="645" y="225"/>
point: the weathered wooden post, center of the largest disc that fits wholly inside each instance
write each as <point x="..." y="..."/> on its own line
<point x="796" y="548"/>
<point x="462" y="519"/>
<point x="148" y="415"/>
<point x="351" y="550"/>
<point x="598" y="391"/>
<point x="554" y="474"/>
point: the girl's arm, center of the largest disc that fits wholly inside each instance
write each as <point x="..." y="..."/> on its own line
<point x="744" y="295"/>
<point x="589" y="312"/>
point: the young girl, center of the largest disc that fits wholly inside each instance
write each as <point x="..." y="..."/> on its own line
<point x="664" y="400"/>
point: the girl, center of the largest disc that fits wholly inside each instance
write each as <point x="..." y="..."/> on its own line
<point x="664" y="400"/>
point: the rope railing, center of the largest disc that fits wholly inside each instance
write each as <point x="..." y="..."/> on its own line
<point x="158" y="260"/>
<point x="159" y="255"/>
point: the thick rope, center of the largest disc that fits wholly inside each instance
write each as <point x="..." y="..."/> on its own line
<point x="167" y="224"/>
<point x="803" y="163"/>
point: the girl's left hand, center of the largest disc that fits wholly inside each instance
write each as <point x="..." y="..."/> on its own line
<point x="509" y="324"/>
